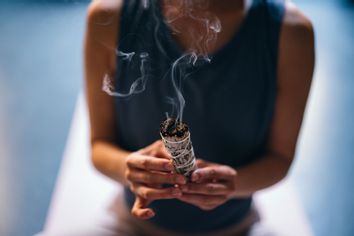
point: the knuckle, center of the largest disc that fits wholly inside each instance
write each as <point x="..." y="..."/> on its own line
<point x="128" y="161"/>
<point x="148" y="194"/>
<point x="144" y="193"/>
<point x="144" y="163"/>
<point x="135" y="212"/>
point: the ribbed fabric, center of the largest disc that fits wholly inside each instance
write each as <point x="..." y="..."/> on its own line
<point x="229" y="102"/>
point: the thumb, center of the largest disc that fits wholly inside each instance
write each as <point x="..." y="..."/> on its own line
<point x="140" y="209"/>
<point x="202" y="163"/>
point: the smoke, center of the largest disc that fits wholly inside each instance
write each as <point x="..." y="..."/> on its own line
<point x="145" y="3"/>
<point x="178" y="74"/>
<point x="125" y="55"/>
<point x="203" y="28"/>
<point x="138" y="86"/>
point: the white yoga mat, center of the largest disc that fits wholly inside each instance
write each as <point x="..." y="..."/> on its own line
<point x="82" y="196"/>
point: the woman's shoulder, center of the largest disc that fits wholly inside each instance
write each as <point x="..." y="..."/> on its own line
<point x="297" y="48"/>
<point x="101" y="11"/>
<point x="297" y="33"/>
<point x="102" y="21"/>
<point x="296" y="23"/>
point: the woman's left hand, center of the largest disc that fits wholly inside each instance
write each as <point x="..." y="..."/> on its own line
<point x="211" y="185"/>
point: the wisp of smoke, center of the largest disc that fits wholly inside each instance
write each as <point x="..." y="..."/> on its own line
<point x="137" y="86"/>
<point x="204" y="29"/>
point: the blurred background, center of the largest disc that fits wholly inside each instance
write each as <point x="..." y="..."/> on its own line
<point x="41" y="77"/>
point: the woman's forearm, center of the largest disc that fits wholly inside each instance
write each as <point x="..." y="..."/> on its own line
<point x="260" y="174"/>
<point x="110" y="160"/>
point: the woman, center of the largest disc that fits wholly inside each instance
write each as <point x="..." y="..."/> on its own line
<point x="244" y="108"/>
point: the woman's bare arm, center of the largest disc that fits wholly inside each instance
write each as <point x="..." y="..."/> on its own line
<point x="100" y="44"/>
<point x="295" y="71"/>
<point x="142" y="169"/>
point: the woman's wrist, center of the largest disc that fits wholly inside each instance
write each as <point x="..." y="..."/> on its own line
<point x="110" y="160"/>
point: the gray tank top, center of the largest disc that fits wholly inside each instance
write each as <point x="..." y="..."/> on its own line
<point x="229" y="101"/>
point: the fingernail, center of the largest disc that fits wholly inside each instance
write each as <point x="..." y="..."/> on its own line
<point x="176" y="192"/>
<point x="180" y="180"/>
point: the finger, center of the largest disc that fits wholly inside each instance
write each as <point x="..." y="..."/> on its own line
<point x="205" y="188"/>
<point x="140" y="211"/>
<point x="161" y="152"/>
<point x="149" y="163"/>
<point x="213" y="172"/>
<point x="155" y="185"/>
<point x="203" y="201"/>
<point x="156" y="149"/>
<point x="156" y="193"/>
<point x="151" y="147"/>
<point x="201" y="163"/>
<point x="145" y="177"/>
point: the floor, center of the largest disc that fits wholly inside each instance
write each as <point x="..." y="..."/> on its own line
<point x="41" y="76"/>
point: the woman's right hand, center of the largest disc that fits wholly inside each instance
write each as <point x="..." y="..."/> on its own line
<point x="147" y="170"/>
